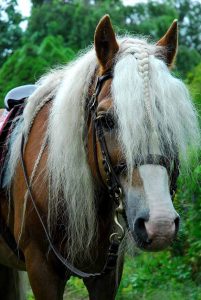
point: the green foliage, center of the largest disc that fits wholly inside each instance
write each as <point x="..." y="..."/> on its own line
<point x="187" y="59"/>
<point x="189" y="199"/>
<point x="152" y="19"/>
<point x="30" y="296"/>
<point x="194" y="82"/>
<point x="28" y="63"/>
<point x="190" y="22"/>
<point x="76" y="287"/>
<point x="157" y="276"/>
<point x="10" y="33"/>
<point x="75" y="21"/>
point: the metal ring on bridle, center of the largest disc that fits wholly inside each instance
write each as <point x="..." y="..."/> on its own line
<point x="118" y="210"/>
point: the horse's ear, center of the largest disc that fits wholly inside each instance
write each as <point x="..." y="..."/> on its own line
<point x="170" y="42"/>
<point x="106" y="45"/>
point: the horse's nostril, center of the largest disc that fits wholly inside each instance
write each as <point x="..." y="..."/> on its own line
<point x="140" y="224"/>
<point x="177" y="221"/>
<point x="149" y="241"/>
<point x="140" y="230"/>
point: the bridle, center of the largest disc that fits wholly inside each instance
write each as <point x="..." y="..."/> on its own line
<point x="112" y="184"/>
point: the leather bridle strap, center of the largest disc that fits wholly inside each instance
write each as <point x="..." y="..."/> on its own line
<point x="91" y="115"/>
<point x="112" y="183"/>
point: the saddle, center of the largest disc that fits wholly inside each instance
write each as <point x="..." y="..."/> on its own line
<point x="5" y="132"/>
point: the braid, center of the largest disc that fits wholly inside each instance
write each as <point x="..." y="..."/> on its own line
<point x="143" y="68"/>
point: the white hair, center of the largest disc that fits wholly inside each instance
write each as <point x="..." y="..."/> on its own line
<point x="147" y="100"/>
<point x="152" y="105"/>
<point x="70" y="176"/>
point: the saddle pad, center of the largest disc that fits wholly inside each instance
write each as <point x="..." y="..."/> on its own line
<point x="4" y="116"/>
<point x="6" y="127"/>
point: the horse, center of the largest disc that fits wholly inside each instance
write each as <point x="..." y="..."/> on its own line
<point x="93" y="163"/>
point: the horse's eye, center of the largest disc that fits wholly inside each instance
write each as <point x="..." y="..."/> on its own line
<point x="107" y="121"/>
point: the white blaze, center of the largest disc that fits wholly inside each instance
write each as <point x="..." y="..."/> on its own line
<point x="156" y="188"/>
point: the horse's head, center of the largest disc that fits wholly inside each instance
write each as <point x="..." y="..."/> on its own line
<point x="139" y="147"/>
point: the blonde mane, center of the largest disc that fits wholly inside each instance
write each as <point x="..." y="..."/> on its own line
<point x="148" y="101"/>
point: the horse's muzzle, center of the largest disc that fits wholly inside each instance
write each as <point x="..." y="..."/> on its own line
<point x="155" y="234"/>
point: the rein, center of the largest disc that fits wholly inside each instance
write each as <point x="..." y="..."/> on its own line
<point x="114" y="244"/>
<point x="115" y="192"/>
<point x="112" y="185"/>
<point x="68" y="265"/>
